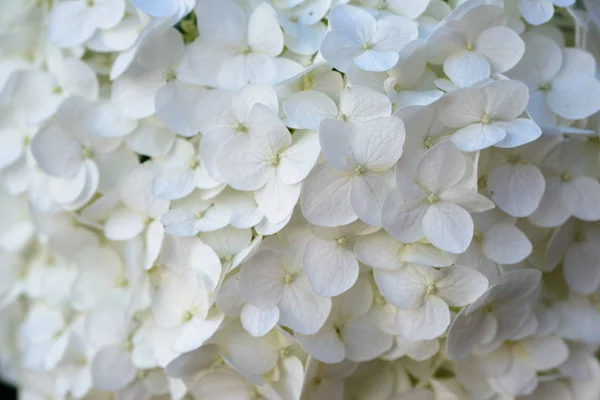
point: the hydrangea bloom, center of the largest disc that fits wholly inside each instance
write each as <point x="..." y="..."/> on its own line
<point x="300" y="199"/>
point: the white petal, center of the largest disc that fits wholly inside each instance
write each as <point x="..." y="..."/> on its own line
<point x="403" y="211"/>
<point x="57" y="152"/>
<point x="70" y="24"/>
<point x="123" y="225"/>
<point x="176" y="106"/>
<point x="339" y="50"/>
<point x="394" y="33"/>
<point x="516" y="188"/>
<point x="580" y="268"/>
<point x="266" y="130"/>
<point x="376" y="61"/>
<point x="264" y="33"/>
<point x="367" y="196"/>
<point x="580" y="196"/>
<point x="424" y="323"/>
<point x="308" y="108"/>
<point x="405" y="288"/>
<point x="502" y="47"/>
<point x="536" y="12"/>
<point x="505" y="244"/>
<point x="331" y="269"/>
<point x="466" y="332"/>
<point x="441" y="167"/>
<point x="545" y="353"/>
<point x="574" y="95"/>
<point x="135" y="90"/>
<point x="364" y="340"/>
<point x="262" y="279"/>
<point x="461" y="286"/>
<point x="360" y="104"/>
<point x="173" y="182"/>
<point x="467" y="199"/>
<point x="325" y="197"/>
<point x="467" y="68"/>
<point x="276" y="200"/>
<point x="301" y="309"/>
<point x="518" y="132"/>
<point x="297" y="161"/>
<point x="337" y="143"/>
<point x="462" y="107"/>
<point x="478" y="136"/>
<point x="259" y="321"/>
<point x="196" y="332"/>
<point x="242" y="165"/>
<point x="448" y="227"/>
<point x="353" y="21"/>
<point x="378" y="143"/>
<point x="112" y="369"/>
<point x="254" y="355"/>
<point x="379" y="250"/>
<point x="325" y="346"/>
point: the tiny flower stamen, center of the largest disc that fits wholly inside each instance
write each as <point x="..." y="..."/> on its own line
<point x="245" y="49"/>
<point x="359" y="170"/>
<point x="289" y="278"/>
<point x="341" y="241"/>
<point x="486" y="119"/>
<point x="274" y="160"/>
<point x="432" y="198"/>
<point x="566" y="177"/>
<point x="239" y="127"/>
<point x="87" y="153"/>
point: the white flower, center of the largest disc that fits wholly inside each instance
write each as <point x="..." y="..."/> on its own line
<point x="372" y="44"/>
<point x="423" y="295"/>
<point x="269" y="161"/>
<point x="358" y="104"/>
<point x="350" y="331"/>
<point x="155" y="65"/>
<point x="537" y="12"/>
<point x="434" y="206"/>
<point x="235" y="48"/>
<point x="475" y="45"/>
<point x="275" y="281"/>
<point x="75" y="21"/>
<point x="164" y="8"/>
<point x="570" y="190"/>
<point x="486" y="320"/>
<point x="488" y="116"/>
<point x="355" y="179"/>
<point x="562" y="82"/>
<point x="182" y="306"/>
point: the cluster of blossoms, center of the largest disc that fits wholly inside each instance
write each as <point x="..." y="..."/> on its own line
<point x="300" y="199"/>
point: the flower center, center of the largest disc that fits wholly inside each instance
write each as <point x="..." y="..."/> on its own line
<point x="289" y="278"/>
<point x="430" y="289"/>
<point x="359" y="170"/>
<point x="274" y="160"/>
<point x="169" y="75"/>
<point x="341" y="241"/>
<point x="239" y="127"/>
<point x="545" y="87"/>
<point x="470" y="47"/>
<point x="486" y="119"/>
<point x="245" y="49"/>
<point x="87" y="153"/>
<point x="367" y="46"/>
<point x="566" y="177"/>
<point x="432" y="198"/>
<point x="428" y="142"/>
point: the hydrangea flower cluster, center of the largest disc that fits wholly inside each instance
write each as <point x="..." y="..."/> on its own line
<point x="300" y="199"/>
